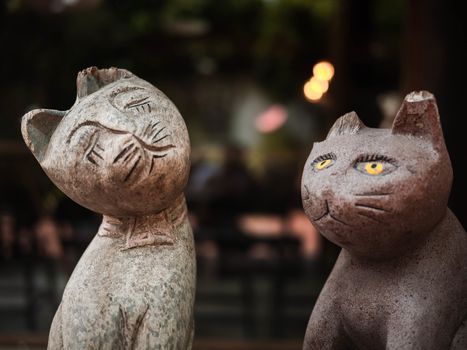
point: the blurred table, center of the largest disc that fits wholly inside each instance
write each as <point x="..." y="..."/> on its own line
<point x="39" y="341"/>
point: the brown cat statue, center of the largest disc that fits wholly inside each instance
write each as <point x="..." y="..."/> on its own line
<point x="400" y="281"/>
<point x="122" y="150"/>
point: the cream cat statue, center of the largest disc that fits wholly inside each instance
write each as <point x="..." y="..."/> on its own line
<point x="400" y="281"/>
<point x="122" y="150"/>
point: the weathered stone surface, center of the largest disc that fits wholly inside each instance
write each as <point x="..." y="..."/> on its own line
<point x="400" y="281"/>
<point x="122" y="150"/>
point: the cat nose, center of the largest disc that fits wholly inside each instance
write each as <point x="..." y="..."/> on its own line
<point x="321" y="194"/>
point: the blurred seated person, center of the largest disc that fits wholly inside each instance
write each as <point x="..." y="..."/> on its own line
<point x="7" y="235"/>
<point x="227" y="191"/>
<point x="295" y="224"/>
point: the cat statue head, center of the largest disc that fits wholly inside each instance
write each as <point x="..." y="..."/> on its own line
<point x="121" y="150"/>
<point x="378" y="192"/>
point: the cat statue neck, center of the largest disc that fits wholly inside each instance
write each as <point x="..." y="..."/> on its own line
<point x="122" y="150"/>
<point x="400" y="281"/>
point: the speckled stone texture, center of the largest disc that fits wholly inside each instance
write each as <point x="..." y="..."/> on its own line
<point x="122" y="150"/>
<point x="400" y="281"/>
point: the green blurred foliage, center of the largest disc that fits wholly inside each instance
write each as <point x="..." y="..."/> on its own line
<point x="275" y="42"/>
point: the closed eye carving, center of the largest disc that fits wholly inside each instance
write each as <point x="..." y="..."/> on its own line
<point x="140" y="105"/>
<point x="144" y="148"/>
<point x="375" y="164"/>
<point x="323" y="162"/>
<point x="147" y="146"/>
<point x="94" y="150"/>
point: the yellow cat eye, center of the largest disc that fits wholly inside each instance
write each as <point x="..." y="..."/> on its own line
<point x="323" y="164"/>
<point x="374" y="168"/>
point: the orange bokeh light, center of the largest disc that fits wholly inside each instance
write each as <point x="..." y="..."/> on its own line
<point x="318" y="84"/>
<point x="312" y="91"/>
<point x="323" y="70"/>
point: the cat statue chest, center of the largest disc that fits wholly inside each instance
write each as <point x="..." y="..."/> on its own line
<point x="122" y="150"/>
<point x="400" y="281"/>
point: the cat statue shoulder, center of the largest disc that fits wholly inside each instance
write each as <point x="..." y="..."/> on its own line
<point x="122" y="150"/>
<point x="400" y="281"/>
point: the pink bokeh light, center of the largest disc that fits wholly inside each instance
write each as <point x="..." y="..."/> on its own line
<point x="271" y="119"/>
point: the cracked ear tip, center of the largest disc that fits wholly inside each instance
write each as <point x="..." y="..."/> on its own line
<point x="418" y="96"/>
<point x="349" y="123"/>
<point x="417" y="102"/>
<point x="418" y="116"/>
<point x="91" y="79"/>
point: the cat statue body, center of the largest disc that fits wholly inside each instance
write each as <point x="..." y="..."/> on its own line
<point x="400" y="281"/>
<point x="122" y="150"/>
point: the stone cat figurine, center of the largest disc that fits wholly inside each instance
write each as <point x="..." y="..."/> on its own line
<point x="122" y="150"/>
<point x="400" y="281"/>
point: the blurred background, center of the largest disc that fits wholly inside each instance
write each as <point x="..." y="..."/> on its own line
<point x="257" y="81"/>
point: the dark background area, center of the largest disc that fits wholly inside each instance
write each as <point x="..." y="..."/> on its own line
<point x="225" y="65"/>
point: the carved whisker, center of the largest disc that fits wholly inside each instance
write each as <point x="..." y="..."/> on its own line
<point x="374" y="194"/>
<point x="91" y="149"/>
<point x="97" y="154"/>
<point x="99" y="147"/>
<point x="163" y="137"/>
<point x="146" y="131"/>
<point x="92" y="141"/>
<point x="370" y="217"/>
<point x="157" y="133"/>
<point x="154" y="125"/>
<point x="88" y="157"/>
<point x="155" y="156"/>
<point x="123" y="152"/>
<point x="338" y="220"/>
<point x="152" y="147"/>
<point x="363" y="205"/>
<point x="132" y="169"/>
<point x="130" y="155"/>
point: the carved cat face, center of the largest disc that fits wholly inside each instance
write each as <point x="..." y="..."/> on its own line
<point x="121" y="150"/>
<point x="377" y="192"/>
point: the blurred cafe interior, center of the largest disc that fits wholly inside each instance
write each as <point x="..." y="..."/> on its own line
<point x="257" y="82"/>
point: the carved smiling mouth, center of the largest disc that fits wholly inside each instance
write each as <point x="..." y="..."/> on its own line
<point x="327" y="213"/>
<point x="136" y="152"/>
<point x="152" y="139"/>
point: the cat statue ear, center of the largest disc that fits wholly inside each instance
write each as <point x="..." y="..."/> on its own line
<point x="349" y="123"/>
<point x="37" y="128"/>
<point x="92" y="79"/>
<point x="418" y="116"/>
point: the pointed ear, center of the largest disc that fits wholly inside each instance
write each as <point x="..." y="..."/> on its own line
<point x="349" y="123"/>
<point x="418" y="116"/>
<point x="37" y="127"/>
